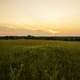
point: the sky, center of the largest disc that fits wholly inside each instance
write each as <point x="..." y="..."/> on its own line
<point x="40" y="17"/>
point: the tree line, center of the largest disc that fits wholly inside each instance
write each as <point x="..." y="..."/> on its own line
<point x="62" y="38"/>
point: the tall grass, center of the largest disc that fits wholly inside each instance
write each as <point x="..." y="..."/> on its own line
<point x="41" y="60"/>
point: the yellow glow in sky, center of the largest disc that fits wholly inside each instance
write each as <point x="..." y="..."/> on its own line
<point x="40" y="17"/>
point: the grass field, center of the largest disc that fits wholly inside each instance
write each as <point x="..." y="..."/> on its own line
<point x="39" y="60"/>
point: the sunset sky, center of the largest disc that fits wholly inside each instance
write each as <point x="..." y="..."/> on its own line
<point x="40" y="17"/>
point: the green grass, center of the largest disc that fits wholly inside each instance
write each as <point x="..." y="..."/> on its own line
<point x="39" y="60"/>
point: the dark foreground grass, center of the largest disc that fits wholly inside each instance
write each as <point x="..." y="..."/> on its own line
<point x="39" y="60"/>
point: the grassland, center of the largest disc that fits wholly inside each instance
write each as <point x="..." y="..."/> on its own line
<point x="39" y="60"/>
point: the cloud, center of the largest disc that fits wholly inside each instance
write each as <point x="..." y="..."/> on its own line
<point x="7" y="30"/>
<point x="53" y="31"/>
<point x="44" y="32"/>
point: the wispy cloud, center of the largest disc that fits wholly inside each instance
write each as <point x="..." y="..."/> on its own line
<point x="12" y="30"/>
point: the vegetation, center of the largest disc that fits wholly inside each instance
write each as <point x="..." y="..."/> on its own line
<point x="61" y="38"/>
<point x="39" y="60"/>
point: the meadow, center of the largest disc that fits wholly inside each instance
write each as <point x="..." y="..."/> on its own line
<point x="39" y="60"/>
